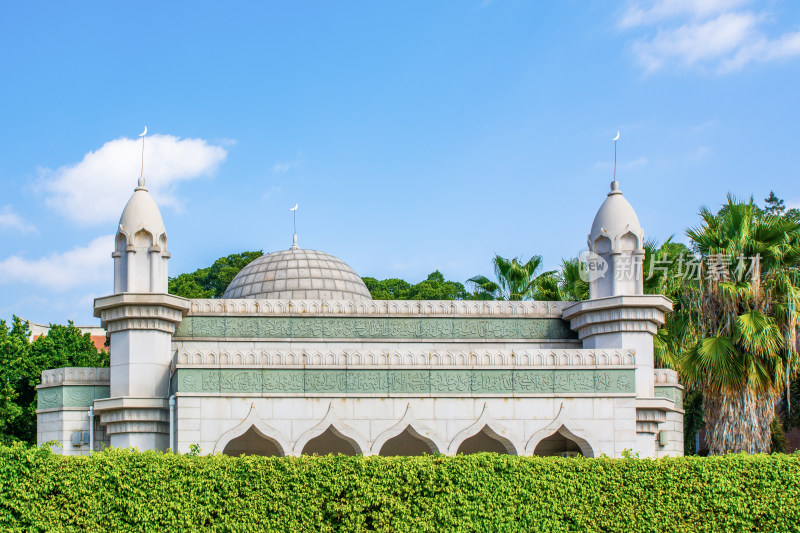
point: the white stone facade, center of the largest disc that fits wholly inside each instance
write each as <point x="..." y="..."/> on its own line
<point x="281" y="376"/>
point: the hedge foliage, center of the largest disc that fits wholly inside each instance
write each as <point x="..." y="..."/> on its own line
<point x="123" y="490"/>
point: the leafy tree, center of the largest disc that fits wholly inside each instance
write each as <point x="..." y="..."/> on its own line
<point x="515" y="280"/>
<point x="773" y="205"/>
<point x="211" y="282"/>
<point x="21" y="366"/>
<point x="741" y="326"/>
<point x="435" y="287"/>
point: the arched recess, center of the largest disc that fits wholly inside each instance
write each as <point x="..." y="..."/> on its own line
<point x="486" y="440"/>
<point x="333" y="428"/>
<point x="559" y="426"/>
<point x="252" y="442"/>
<point x="563" y="442"/>
<point x="252" y="422"/>
<point x="485" y="435"/>
<point x="331" y="441"/>
<point x="408" y="442"/>
<point x="413" y="428"/>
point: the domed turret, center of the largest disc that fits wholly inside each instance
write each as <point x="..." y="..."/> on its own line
<point x="297" y="274"/>
<point x="140" y="248"/>
<point x="617" y="238"/>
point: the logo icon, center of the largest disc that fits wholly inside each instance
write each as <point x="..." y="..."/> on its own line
<point x="591" y="266"/>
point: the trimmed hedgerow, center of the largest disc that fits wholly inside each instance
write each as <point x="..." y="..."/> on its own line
<point x="123" y="490"/>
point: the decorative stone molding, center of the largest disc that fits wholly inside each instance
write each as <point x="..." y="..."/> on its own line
<point x="405" y="382"/>
<point x="667" y="386"/>
<point x="159" y="312"/>
<point x="666" y="376"/>
<point x="133" y="415"/>
<point x="259" y="307"/>
<point x="647" y="420"/>
<point x="75" y="376"/>
<point x="199" y="356"/>
<point x="630" y="313"/>
<point x="388" y="328"/>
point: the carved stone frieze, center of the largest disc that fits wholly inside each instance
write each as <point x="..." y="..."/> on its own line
<point x="354" y="382"/>
<point x="261" y="307"/>
<point x="322" y="327"/>
<point x="201" y="355"/>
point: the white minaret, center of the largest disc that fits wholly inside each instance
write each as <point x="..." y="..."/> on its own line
<point x="140" y="247"/>
<point x="618" y="316"/>
<point x="617" y="238"/>
<point x="140" y="318"/>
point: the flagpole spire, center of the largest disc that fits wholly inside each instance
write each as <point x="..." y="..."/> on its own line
<point x="615" y="139"/>
<point x="141" y="175"/>
<point x="294" y="224"/>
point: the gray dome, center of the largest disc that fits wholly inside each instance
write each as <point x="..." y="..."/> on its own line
<point x="298" y="274"/>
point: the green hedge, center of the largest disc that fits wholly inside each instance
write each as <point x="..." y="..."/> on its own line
<point x="121" y="490"/>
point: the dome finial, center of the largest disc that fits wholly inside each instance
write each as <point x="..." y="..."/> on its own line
<point x="294" y="221"/>
<point x="141" y="176"/>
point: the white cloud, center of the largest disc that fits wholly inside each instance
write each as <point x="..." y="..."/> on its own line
<point x="12" y="221"/>
<point x="643" y="13"/>
<point x="710" y="35"/>
<point x="60" y="271"/>
<point x="95" y="190"/>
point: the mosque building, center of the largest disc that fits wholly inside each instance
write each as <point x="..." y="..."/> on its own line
<point x="297" y="358"/>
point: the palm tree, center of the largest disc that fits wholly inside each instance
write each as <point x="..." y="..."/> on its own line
<point x="571" y="286"/>
<point x="516" y="280"/>
<point x="740" y="321"/>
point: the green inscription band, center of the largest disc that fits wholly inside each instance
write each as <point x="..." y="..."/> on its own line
<point x="374" y="328"/>
<point x="674" y="394"/>
<point x="354" y="382"/>
<point x="70" y="396"/>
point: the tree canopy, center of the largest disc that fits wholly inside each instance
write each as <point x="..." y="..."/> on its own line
<point x="211" y="282"/>
<point x="21" y="366"/>
<point x="435" y="287"/>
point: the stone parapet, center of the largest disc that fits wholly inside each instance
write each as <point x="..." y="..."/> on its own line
<point x="261" y="307"/>
<point x="75" y="376"/>
<point x="132" y="311"/>
<point x="618" y="314"/>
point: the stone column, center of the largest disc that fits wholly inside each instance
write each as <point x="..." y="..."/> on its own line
<point x="140" y="327"/>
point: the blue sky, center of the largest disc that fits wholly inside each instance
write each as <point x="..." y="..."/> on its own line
<point x="414" y="135"/>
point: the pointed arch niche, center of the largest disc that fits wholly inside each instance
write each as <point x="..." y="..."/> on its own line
<point x="563" y="443"/>
<point x="408" y="442"/>
<point x="331" y="441"/>
<point x="253" y="442"/>
<point x="486" y="440"/>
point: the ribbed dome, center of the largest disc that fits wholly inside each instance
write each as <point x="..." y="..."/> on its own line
<point x="298" y="274"/>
